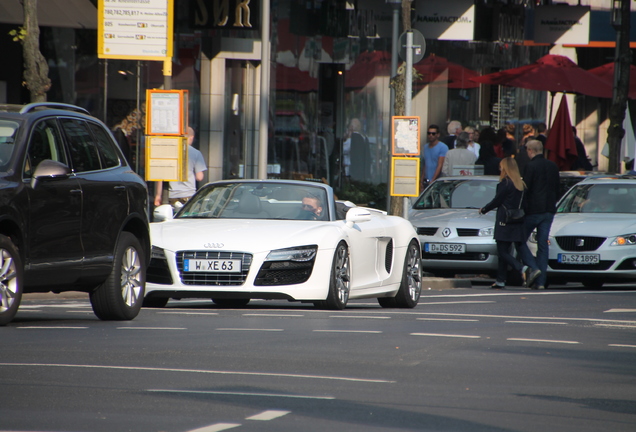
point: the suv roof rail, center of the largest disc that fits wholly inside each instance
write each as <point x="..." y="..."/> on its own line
<point x="33" y="106"/>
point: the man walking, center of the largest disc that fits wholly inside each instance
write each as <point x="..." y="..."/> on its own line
<point x="434" y="154"/>
<point x="542" y="180"/>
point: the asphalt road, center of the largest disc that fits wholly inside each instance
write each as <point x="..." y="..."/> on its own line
<point x="463" y="360"/>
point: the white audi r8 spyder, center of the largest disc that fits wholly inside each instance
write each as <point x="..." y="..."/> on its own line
<point x="281" y="239"/>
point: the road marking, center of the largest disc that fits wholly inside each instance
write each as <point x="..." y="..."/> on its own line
<point x="216" y="427"/>
<point x="359" y="317"/>
<point x="447" y="319"/>
<point x="268" y="415"/>
<point x="347" y="331"/>
<point x="616" y="325"/>
<point x="457" y="302"/>
<point x="620" y="310"/>
<point x="537" y="322"/>
<point x="188" y="313"/>
<point x="151" y="328"/>
<point x="271" y="315"/>
<point x="622" y="346"/>
<point x="202" y="371"/>
<point x="51" y="328"/>
<point x="526" y="317"/>
<point x="250" y="329"/>
<point x="226" y="393"/>
<point x="543" y="340"/>
<point x="446" y="335"/>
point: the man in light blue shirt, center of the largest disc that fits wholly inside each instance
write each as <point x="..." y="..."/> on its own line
<point x="433" y="155"/>
<point x="182" y="191"/>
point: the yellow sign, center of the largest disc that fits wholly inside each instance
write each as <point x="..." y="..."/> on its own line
<point x="167" y="158"/>
<point x="134" y="29"/>
<point x="405" y="176"/>
<point x="166" y="112"/>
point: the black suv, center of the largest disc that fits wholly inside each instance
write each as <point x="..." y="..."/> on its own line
<point x="73" y="214"/>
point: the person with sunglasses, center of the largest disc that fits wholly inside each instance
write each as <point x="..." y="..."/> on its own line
<point x="433" y="155"/>
<point x="311" y="208"/>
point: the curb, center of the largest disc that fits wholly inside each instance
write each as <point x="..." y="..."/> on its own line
<point x="439" y="283"/>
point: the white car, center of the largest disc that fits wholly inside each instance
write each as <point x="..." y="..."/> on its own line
<point x="455" y="238"/>
<point x="278" y="239"/>
<point x="593" y="235"/>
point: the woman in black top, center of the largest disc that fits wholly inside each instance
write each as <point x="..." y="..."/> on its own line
<point x="510" y="193"/>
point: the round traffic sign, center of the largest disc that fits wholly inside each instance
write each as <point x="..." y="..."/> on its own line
<point x="419" y="46"/>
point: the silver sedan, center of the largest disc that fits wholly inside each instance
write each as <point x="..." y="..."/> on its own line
<point x="455" y="238"/>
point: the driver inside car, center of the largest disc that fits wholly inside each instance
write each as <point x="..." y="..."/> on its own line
<point x="311" y="208"/>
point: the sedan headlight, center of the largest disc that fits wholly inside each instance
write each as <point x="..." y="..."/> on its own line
<point x="486" y="232"/>
<point x="624" y="240"/>
<point x="298" y="254"/>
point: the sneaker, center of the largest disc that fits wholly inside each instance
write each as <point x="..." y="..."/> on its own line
<point x="539" y="287"/>
<point x="531" y="276"/>
<point x="498" y="285"/>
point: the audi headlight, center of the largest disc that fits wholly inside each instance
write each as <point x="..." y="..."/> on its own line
<point x="486" y="232"/>
<point x="298" y="254"/>
<point x="624" y="240"/>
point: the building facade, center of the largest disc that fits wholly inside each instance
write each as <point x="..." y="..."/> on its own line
<point x="330" y="74"/>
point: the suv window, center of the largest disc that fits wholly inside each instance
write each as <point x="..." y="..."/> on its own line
<point x="8" y="131"/>
<point x="106" y="146"/>
<point x="45" y="143"/>
<point x="82" y="145"/>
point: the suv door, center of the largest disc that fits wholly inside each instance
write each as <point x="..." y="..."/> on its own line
<point x="98" y="169"/>
<point x="54" y="208"/>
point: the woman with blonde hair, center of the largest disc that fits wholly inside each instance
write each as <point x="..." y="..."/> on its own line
<point x="508" y="232"/>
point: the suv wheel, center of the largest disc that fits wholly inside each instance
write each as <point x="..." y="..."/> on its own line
<point x="10" y="280"/>
<point x="120" y="297"/>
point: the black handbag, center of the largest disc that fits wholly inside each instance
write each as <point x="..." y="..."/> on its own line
<point x="515" y="215"/>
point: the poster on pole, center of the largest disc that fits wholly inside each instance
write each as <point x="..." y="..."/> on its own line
<point x="167" y="158"/>
<point x="166" y="112"/>
<point x="405" y="135"/>
<point x="135" y="29"/>
<point x="405" y="176"/>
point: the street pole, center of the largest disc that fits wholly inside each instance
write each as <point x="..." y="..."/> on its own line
<point x="263" y="127"/>
<point x="408" y="89"/>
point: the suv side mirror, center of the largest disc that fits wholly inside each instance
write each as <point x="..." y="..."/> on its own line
<point x="357" y="215"/>
<point x="162" y="213"/>
<point x="49" y="169"/>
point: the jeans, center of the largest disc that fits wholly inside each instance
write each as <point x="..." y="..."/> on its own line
<point x="506" y="259"/>
<point x="542" y="222"/>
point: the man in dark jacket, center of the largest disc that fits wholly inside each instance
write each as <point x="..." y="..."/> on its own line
<point x="542" y="180"/>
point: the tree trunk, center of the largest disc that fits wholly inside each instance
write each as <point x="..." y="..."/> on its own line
<point x="615" y="132"/>
<point x="36" y="69"/>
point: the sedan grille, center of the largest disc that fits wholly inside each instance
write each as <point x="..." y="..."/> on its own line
<point x="603" y="265"/>
<point x="426" y="231"/>
<point x="213" y="278"/>
<point x="467" y="232"/>
<point x="579" y="243"/>
<point x="468" y="256"/>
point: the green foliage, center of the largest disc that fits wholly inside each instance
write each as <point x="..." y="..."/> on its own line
<point x="18" y="34"/>
<point x="365" y="194"/>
